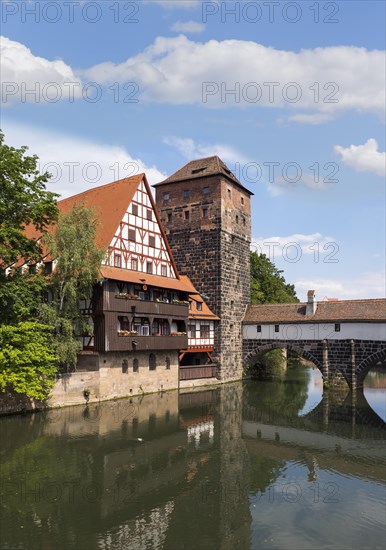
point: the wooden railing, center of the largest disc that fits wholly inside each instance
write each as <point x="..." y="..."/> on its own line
<point x="197" y="371"/>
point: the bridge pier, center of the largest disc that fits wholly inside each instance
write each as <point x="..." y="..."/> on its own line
<point x="325" y="365"/>
<point x="353" y="373"/>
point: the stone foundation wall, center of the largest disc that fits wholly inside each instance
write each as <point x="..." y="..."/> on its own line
<point x="107" y="376"/>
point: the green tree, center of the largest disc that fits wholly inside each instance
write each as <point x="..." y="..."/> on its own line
<point x="268" y="286"/>
<point x="28" y="363"/>
<point x="77" y="262"/>
<point x="24" y="202"/>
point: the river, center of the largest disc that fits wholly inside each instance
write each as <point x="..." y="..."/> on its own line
<point x="261" y="465"/>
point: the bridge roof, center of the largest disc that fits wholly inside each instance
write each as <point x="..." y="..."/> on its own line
<point x="338" y="311"/>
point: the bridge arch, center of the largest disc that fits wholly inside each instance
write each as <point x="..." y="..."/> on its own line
<point x="365" y="366"/>
<point x="260" y="349"/>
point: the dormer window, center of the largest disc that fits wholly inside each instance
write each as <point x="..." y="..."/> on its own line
<point x="48" y="268"/>
<point x="198" y="170"/>
<point x="199" y="306"/>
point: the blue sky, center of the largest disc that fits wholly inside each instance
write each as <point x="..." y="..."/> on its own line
<point x="291" y="95"/>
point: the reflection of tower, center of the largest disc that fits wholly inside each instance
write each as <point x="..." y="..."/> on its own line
<point x="206" y="214"/>
<point x="235" y="518"/>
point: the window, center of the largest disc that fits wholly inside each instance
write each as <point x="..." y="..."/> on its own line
<point x="132" y="235"/>
<point x="145" y="328"/>
<point x="166" y="196"/>
<point x="124" y="323"/>
<point x="167" y="363"/>
<point x="206" y="190"/>
<point x="237" y="219"/>
<point x="134" y="264"/>
<point x="191" y="331"/>
<point x="32" y="269"/>
<point x="164" y="270"/>
<point x="337" y="327"/>
<point x="276" y="328"/>
<point x="149" y="214"/>
<point x="134" y="209"/>
<point x="135" y="365"/>
<point x="199" y="306"/>
<point x="242" y="200"/>
<point x="152" y="362"/>
<point x="186" y="213"/>
<point x="149" y="267"/>
<point x="48" y="268"/>
<point x="204" y="331"/>
<point x="117" y="260"/>
<point x="152" y="241"/>
<point x="229" y="193"/>
<point x="244" y="221"/>
<point x="169" y="216"/>
<point x="258" y="328"/>
<point x="205" y="213"/>
<point x="125" y="366"/>
<point x="186" y="193"/>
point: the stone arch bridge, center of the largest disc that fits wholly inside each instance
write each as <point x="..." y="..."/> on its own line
<point x="342" y="338"/>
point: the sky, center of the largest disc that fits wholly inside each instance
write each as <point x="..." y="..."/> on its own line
<point x="291" y="96"/>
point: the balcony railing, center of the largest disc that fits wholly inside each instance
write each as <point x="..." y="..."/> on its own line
<point x="197" y="371"/>
<point x="140" y="343"/>
<point x="145" y="307"/>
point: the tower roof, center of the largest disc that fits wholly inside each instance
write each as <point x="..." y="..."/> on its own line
<point x="208" y="166"/>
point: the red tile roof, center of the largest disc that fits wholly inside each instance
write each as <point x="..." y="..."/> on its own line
<point x="194" y="313"/>
<point x="140" y="278"/>
<point x="209" y="166"/>
<point x="342" y="310"/>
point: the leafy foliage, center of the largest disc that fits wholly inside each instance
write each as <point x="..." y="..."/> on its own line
<point x="77" y="262"/>
<point x="28" y="363"/>
<point x="23" y="201"/>
<point x="268" y="286"/>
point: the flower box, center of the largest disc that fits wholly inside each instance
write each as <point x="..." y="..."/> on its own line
<point x="127" y="333"/>
<point x="126" y="296"/>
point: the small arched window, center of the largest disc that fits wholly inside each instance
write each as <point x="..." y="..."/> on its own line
<point x="152" y="362"/>
<point x="135" y="365"/>
<point x="167" y="363"/>
<point x="125" y="366"/>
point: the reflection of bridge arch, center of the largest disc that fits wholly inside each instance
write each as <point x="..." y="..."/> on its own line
<point x="366" y="364"/>
<point x="315" y="356"/>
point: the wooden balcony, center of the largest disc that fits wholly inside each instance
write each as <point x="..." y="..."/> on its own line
<point x="145" y="308"/>
<point x="194" y="372"/>
<point x="140" y="343"/>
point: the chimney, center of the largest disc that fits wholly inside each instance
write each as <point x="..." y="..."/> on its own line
<point x="311" y="303"/>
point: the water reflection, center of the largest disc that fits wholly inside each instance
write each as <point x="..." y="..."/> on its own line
<point x="241" y="466"/>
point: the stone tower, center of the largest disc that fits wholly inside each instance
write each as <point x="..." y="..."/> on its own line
<point x="206" y="213"/>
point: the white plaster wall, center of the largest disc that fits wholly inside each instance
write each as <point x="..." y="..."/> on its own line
<point x="317" y="331"/>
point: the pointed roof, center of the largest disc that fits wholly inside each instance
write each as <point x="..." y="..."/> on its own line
<point x="208" y="166"/>
<point x="109" y="201"/>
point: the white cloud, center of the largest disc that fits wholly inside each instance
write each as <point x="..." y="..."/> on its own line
<point x="292" y="245"/>
<point x="365" y="285"/>
<point x="220" y="74"/>
<point x="22" y="71"/>
<point x="188" y="27"/>
<point x="180" y="71"/>
<point x="77" y="164"/>
<point x="314" y="118"/>
<point x="190" y="150"/>
<point x="364" y="158"/>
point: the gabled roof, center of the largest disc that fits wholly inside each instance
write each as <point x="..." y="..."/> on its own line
<point x="109" y="201"/>
<point x="340" y="311"/>
<point x="194" y="313"/>
<point x="209" y="166"/>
